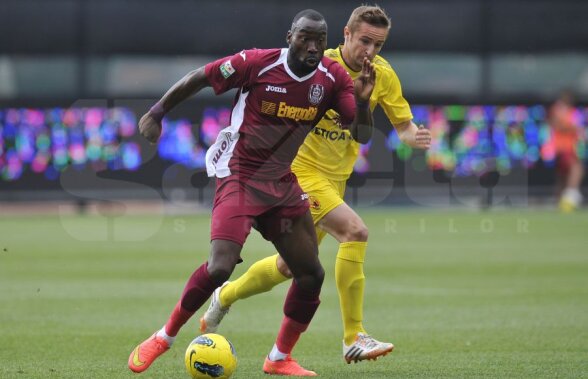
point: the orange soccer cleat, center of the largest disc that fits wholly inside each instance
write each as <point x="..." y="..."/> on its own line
<point x="147" y="352"/>
<point x="288" y="366"/>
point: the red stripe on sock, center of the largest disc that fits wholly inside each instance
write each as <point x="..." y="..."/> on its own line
<point x="299" y="308"/>
<point x="177" y="319"/>
<point x="289" y="334"/>
<point x="196" y="292"/>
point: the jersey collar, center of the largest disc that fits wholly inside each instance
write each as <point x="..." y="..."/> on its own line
<point x="284" y="59"/>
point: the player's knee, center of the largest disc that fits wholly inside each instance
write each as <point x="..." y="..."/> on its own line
<point x="313" y="280"/>
<point x="223" y="258"/>
<point x="358" y="232"/>
<point x="283" y="268"/>
<point x="319" y="277"/>
<point x="219" y="273"/>
<point x="220" y="267"/>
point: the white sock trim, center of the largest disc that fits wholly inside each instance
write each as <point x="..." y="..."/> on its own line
<point x="573" y="196"/>
<point x="161" y="333"/>
<point x="276" y="354"/>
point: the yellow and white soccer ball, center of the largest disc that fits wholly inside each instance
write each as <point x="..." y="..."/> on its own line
<point x="211" y="356"/>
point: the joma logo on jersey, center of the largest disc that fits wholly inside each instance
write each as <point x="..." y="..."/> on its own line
<point x="275" y="89"/>
<point x="297" y="113"/>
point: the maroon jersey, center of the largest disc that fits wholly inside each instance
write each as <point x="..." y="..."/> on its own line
<point x="273" y="112"/>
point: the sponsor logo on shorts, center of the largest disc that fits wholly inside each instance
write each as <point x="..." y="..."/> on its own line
<point x="314" y="203"/>
<point x="297" y="113"/>
<point x="316" y="93"/>
<point x="227" y="69"/>
<point x="304" y="196"/>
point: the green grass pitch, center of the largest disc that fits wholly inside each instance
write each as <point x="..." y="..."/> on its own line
<point x="461" y="294"/>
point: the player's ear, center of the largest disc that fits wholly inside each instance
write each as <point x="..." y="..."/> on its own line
<point x="346" y="32"/>
<point x="289" y="36"/>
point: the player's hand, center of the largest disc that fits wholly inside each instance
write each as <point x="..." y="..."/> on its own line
<point x="423" y="138"/>
<point x="150" y="128"/>
<point x="365" y="82"/>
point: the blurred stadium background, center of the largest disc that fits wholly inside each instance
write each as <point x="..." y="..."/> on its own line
<point x="75" y="76"/>
<point x="461" y="293"/>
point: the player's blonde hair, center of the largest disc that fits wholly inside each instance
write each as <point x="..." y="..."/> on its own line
<point x="370" y="14"/>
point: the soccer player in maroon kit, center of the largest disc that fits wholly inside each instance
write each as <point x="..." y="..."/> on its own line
<point x="282" y="94"/>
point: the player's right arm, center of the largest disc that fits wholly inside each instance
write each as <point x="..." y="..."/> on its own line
<point x="222" y="75"/>
<point x="361" y="128"/>
<point x="192" y="83"/>
<point x="352" y="102"/>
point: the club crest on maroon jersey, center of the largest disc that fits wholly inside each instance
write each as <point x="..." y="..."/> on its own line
<point x="316" y="93"/>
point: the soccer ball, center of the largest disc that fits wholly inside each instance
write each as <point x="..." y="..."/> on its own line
<point x="211" y="356"/>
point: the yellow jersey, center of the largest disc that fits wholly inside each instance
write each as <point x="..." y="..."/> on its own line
<point x="332" y="150"/>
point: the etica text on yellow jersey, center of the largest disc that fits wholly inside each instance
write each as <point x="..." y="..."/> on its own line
<point x="330" y="149"/>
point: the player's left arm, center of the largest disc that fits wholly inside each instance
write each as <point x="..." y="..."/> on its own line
<point x="414" y="136"/>
<point x="398" y="112"/>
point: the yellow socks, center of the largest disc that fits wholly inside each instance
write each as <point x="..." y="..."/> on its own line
<point x="350" y="285"/>
<point x="261" y="277"/>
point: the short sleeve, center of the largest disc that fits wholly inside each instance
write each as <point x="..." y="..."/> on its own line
<point x="344" y="103"/>
<point x="392" y="102"/>
<point x="230" y="72"/>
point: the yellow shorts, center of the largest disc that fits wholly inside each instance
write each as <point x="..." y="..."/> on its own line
<point x="324" y="195"/>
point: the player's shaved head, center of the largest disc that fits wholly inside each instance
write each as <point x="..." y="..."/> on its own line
<point x="310" y="14"/>
<point x="307" y="39"/>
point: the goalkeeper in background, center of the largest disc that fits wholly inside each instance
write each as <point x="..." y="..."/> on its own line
<point x="323" y="165"/>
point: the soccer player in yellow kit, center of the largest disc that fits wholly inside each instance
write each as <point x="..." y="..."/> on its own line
<point x="323" y="164"/>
